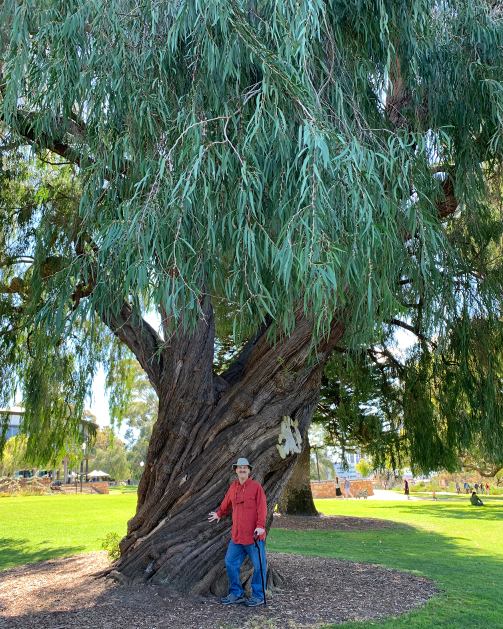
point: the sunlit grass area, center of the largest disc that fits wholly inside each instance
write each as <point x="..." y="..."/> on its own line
<point x="459" y="546"/>
<point x="123" y="489"/>
<point x="42" y="527"/>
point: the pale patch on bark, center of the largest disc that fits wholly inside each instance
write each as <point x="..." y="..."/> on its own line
<point x="291" y="437"/>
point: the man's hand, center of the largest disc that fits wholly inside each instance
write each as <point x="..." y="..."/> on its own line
<point x="258" y="532"/>
<point x="213" y="516"/>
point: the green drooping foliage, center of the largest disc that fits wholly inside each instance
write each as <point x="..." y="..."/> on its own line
<point x="438" y="408"/>
<point x="348" y="387"/>
<point x="39" y="223"/>
<point x="328" y="157"/>
<point x="442" y="400"/>
<point x="243" y="145"/>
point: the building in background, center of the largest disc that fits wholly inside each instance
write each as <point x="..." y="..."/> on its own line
<point x="15" y="414"/>
<point x="352" y="459"/>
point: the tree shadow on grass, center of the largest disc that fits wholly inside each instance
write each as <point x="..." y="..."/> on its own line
<point x="14" y="552"/>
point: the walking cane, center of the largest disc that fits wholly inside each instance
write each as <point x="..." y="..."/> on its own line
<point x="255" y="539"/>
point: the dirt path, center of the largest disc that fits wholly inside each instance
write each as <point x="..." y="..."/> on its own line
<point x="61" y="594"/>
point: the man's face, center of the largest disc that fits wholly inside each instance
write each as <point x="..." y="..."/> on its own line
<point x="243" y="471"/>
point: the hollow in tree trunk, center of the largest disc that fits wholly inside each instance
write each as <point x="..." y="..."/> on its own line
<point x="259" y="409"/>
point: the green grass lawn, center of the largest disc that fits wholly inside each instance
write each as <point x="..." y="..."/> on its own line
<point x="459" y="546"/>
<point x="42" y="527"/>
<point x="123" y="489"/>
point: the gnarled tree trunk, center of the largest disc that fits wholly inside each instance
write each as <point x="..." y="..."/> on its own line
<point x="297" y="497"/>
<point x="259" y="409"/>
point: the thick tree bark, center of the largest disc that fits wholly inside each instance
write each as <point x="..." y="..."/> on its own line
<point x="260" y="409"/>
<point x="297" y="497"/>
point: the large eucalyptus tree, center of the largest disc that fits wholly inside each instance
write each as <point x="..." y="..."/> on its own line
<point x="288" y="166"/>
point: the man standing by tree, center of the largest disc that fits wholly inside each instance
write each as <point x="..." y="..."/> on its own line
<point x="249" y="511"/>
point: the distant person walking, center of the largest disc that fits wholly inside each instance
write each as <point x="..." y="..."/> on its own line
<point x="457" y="488"/>
<point x="347" y="488"/>
<point x="406" y="488"/>
<point x="467" y="488"/>
<point x="476" y="487"/>
<point x="487" y="489"/>
<point x="337" y="485"/>
<point x="475" y="500"/>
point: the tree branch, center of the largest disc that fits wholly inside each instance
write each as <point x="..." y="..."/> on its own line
<point x="448" y="205"/>
<point x="56" y="144"/>
<point x="409" y="328"/>
<point x="385" y="352"/>
<point x="399" y="107"/>
<point x="471" y="467"/>
<point x="141" y="338"/>
<point x="233" y="374"/>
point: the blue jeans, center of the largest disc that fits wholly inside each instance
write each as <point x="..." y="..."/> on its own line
<point x="236" y="554"/>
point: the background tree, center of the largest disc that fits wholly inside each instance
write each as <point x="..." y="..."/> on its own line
<point x="364" y="468"/>
<point x="474" y="461"/>
<point x="322" y="463"/>
<point x="297" y="497"/>
<point x="140" y="417"/>
<point x="13" y="458"/>
<point x="111" y="455"/>
<point x="351" y="409"/>
<point x="299" y="166"/>
<point x="39" y="224"/>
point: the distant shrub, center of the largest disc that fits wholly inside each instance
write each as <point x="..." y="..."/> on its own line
<point x="418" y="487"/>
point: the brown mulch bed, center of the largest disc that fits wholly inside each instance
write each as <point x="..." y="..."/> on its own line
<point x="61" y="594"/>
<point x="329" y="523"/>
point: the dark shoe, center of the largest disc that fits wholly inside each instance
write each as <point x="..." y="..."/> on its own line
<point x="231" y="599"/>
<point x="254" y="602"/>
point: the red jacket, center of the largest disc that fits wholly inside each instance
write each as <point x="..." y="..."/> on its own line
<point x="249" y="510"/>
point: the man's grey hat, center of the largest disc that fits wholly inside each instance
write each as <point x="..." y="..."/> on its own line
<point x="242" y="462"/>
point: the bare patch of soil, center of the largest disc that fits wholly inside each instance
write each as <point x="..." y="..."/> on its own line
<point x="62" y="594"/>
<point x="329" y="523"/>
